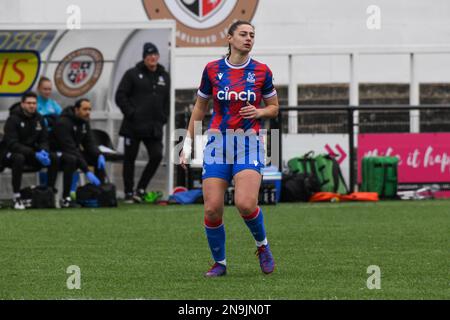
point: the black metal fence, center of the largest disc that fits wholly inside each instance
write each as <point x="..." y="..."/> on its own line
<point x="371" y="119"/>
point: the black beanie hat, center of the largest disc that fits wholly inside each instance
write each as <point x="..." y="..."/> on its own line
<point x="149" y="48"/>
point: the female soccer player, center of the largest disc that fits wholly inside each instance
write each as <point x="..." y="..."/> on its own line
<point x="237" y="85"/>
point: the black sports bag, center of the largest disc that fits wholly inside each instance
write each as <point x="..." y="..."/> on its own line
<point x="93" y="196"/>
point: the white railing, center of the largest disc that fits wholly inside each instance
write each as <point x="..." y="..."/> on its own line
<point x="352" y="52"/>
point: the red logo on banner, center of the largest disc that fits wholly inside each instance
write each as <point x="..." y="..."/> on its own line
<point x="200" y="9"/>
<point x="209" y="5"/>
<point x="201" y="23"/>
<point x="78" y="72"/>
<point x="339" y="157"/>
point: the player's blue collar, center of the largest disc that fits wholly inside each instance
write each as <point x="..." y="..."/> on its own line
<point x="237" y="66"/>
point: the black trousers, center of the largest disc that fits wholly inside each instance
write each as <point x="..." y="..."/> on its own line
<point x="69" y="163"/>
<point x="154" y="149"/>
<point x="17" y="162"/>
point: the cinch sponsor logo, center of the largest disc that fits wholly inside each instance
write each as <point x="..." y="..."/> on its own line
<point x="228" y="95"/>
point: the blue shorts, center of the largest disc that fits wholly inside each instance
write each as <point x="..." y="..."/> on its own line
<point x="224" y="155"/>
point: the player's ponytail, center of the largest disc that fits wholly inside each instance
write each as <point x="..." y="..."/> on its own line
<point x="233" y="28"/>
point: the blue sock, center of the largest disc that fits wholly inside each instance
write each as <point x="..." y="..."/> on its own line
<point x="75" y="178"/>
<point x="216" y="241"/>
<point x="43" y="178"/>
<point x="255" y="222"/>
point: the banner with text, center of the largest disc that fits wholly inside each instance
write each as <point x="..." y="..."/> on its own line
<point x="18" y="71"/>
<point x="423" y="157"/>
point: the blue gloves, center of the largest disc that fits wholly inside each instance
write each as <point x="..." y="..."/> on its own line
<point x="43" y="157"/>
<point x="101" y="162"/>
<point x="92" y="178"/>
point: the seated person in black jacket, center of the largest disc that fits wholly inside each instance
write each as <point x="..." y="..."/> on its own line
<point x="72" y="136"/>
<point x="26" y="144"/>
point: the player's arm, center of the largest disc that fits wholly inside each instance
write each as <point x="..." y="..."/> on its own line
<point x="269" y="95"/>
<point x="270" y="110"/>
<point x="198" y="114"/>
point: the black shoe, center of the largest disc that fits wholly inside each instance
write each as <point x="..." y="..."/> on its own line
<point x="69" y="203"/>
<point x="129" y="198"/>
<point x="18" y="204"/>
<point x="139" y="195"/>
<point x="136" y="197"/>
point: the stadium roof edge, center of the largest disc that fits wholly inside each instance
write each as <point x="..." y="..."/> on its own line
<point x="162" y="23"/>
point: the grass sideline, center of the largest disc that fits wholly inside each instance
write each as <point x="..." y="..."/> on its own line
<point x="322" y="251"/>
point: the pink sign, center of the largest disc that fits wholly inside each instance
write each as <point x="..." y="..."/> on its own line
<point x="423" y="157"/>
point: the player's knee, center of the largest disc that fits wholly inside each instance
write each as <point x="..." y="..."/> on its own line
<point x="246" y="205"/>
<point x="213" y="212"/>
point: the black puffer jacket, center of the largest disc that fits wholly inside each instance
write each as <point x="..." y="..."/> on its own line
<point x="72" y="135"/>
<point x="143" y="97"/>
<point x="25" y="134"/>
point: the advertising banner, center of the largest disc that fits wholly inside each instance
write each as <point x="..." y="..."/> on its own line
<point x="18" y="71"/>
<point x="36" y="40"/>
<point x="423" y="157"/>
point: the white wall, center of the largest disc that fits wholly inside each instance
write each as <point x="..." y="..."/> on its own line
<point x="292" y="23"/>
<point x="343" y="22"/>
<point x="54" y="11"/>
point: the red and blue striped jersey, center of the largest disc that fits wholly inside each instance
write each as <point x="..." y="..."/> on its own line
<point x="231" y="86"/>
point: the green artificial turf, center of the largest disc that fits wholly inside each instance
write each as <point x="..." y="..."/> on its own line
<point x="322" y="251"/>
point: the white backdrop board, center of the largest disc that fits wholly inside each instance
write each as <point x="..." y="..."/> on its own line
<point x="295" y="145"/>
<point x="89" y="62"/>
<point x="131" y="53"/>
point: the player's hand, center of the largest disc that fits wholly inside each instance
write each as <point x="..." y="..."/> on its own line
<point x="186" y="152"/>
<point x="249" y="112"/>
<point x="183" y="160"/>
